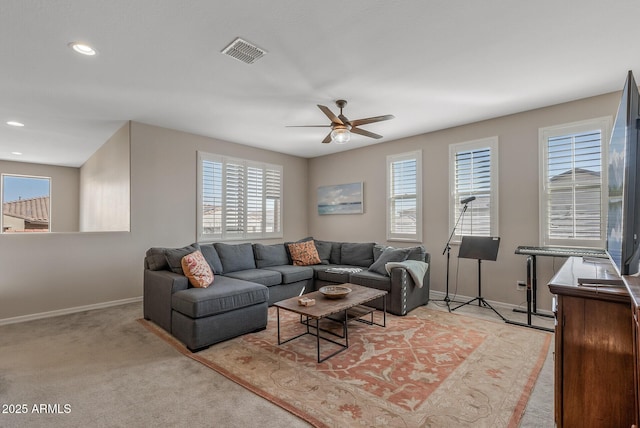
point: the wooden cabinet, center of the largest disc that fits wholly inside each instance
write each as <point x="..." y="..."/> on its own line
<point x="633" y="287"/>
<point x="594" y="352"/>
<point x="636" y="356"/>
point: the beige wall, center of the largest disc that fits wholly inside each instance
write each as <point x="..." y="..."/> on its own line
<point x="105" y="186"/>
<point x="518" y="196"/>
<point x="164" y="184"/>
<point x="55" y="272"/>
<point x="65" y="187"/>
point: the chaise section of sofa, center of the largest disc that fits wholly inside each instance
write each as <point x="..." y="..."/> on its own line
<point x="203" y="316"/>
<point x="200" y="317"/>
<point x="245" y="284"/>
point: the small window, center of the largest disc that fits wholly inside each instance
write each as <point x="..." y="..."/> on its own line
<point x="473" y="173"/>
<point x="26" y="202"/>
<point x="404" y="197"/>
<point x="572" y="179"/>
<point x="238" y="199"/>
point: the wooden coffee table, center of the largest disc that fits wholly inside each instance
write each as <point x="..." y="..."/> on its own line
<point x="338" y="310"/>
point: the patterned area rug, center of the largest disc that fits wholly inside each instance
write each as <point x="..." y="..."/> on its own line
<point x="429" y="368"/>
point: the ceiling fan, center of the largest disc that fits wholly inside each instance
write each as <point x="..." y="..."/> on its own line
<point x="341" y="127"/>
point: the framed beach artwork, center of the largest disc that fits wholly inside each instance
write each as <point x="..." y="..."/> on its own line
<point x="340" y="199"/>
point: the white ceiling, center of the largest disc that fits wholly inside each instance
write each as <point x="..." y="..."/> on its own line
<point x="433" y="64"/>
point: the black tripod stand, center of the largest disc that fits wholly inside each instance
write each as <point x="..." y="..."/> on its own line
<point x="447" y="249"/>
<point x="481" y="248"/>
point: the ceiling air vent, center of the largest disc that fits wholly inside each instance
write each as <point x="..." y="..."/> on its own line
<point x="244" y="51"/>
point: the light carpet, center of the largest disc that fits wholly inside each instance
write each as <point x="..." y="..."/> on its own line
<point x="429" y="368"/>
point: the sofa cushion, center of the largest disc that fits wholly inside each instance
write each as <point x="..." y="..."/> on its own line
<point x="334" y="273"/>
<point x="235" y="257"/>
<point x="291" y="274"/>
<point x="389" y="254"/>
<point x="197" y="269"/>
<point x="227" y="294"/>
<point x="174" y="256"/>
<point x="336" y="253"/>
<point x="211" y="256"/>
<point x="371" y="280"/>
<point x="357" y="254"/>
<point x="260" y="276"/>
<point x="324" y="249"/>
<point x="304" y="253"/>
<point x="155" y="259"/>
<point x="270" y="255"/>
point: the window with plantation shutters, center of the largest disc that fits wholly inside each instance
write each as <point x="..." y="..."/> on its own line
<point x="238" y="199"/>
<point x="404" y="196"/>
<point x="573" y="184"/>
<point x="473" y="172"/>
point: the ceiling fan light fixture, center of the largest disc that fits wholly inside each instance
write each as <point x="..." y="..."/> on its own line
<point x="342" y="127"/>
<point x="340" y="135"/>
<point x="82" y="48"/>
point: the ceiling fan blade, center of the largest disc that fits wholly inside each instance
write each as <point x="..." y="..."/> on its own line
<point x="365" y="133"/>
<point x="359" y="122"/>
<point x="330" y="114"/>
<point x="308" y="126"/>
<point x="327" y="139"/>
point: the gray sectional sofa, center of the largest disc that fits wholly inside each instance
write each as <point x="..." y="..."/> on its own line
<point x="250" y="277"/>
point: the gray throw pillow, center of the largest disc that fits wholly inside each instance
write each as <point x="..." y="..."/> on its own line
<point x="357" y="254"/>
<point x="389" y="255"/>
<point x="377" y="250"/>
<point x="174" y="256"/>
<point x="270" y="255"/>
<point x="211" y="256"/>
<point x="417" y="253"/>
<point x="235" y="257"/>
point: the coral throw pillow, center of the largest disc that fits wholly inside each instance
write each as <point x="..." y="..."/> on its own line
<point x="304" y="253"/>
<point x="197" y="269"/>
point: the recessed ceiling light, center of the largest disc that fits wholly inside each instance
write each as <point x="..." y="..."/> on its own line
<point x="17" y="153"/>
<point x="82" y="48"/>
<point x="14" y="123"/>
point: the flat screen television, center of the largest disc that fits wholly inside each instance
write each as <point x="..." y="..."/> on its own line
<point x="623" y="222"/>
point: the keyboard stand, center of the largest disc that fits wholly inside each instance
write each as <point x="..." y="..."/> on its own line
<point x="532" y="291"/>
<point x="531" y="296"/>
<point x="532" y="280"/>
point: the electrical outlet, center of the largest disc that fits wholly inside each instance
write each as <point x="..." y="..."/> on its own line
<point x="521" y="285"/>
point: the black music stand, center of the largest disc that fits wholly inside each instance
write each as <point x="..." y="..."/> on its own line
<point x="447" y="249"/>
<point x="480" y="248"/>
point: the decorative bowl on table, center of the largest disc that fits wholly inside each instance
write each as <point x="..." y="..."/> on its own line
<point x="335" y="291"/>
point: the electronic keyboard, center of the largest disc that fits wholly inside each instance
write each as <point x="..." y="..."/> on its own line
<point x="561" y="252"/>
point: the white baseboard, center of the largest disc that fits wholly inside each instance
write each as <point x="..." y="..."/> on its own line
<point x="67" y="311"/>
<point x="439" y="295"/>
<point x="433" y="295"/>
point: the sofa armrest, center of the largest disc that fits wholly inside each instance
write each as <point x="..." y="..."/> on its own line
<point x="159" y="286"/>
<point x="405" y="295"/>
